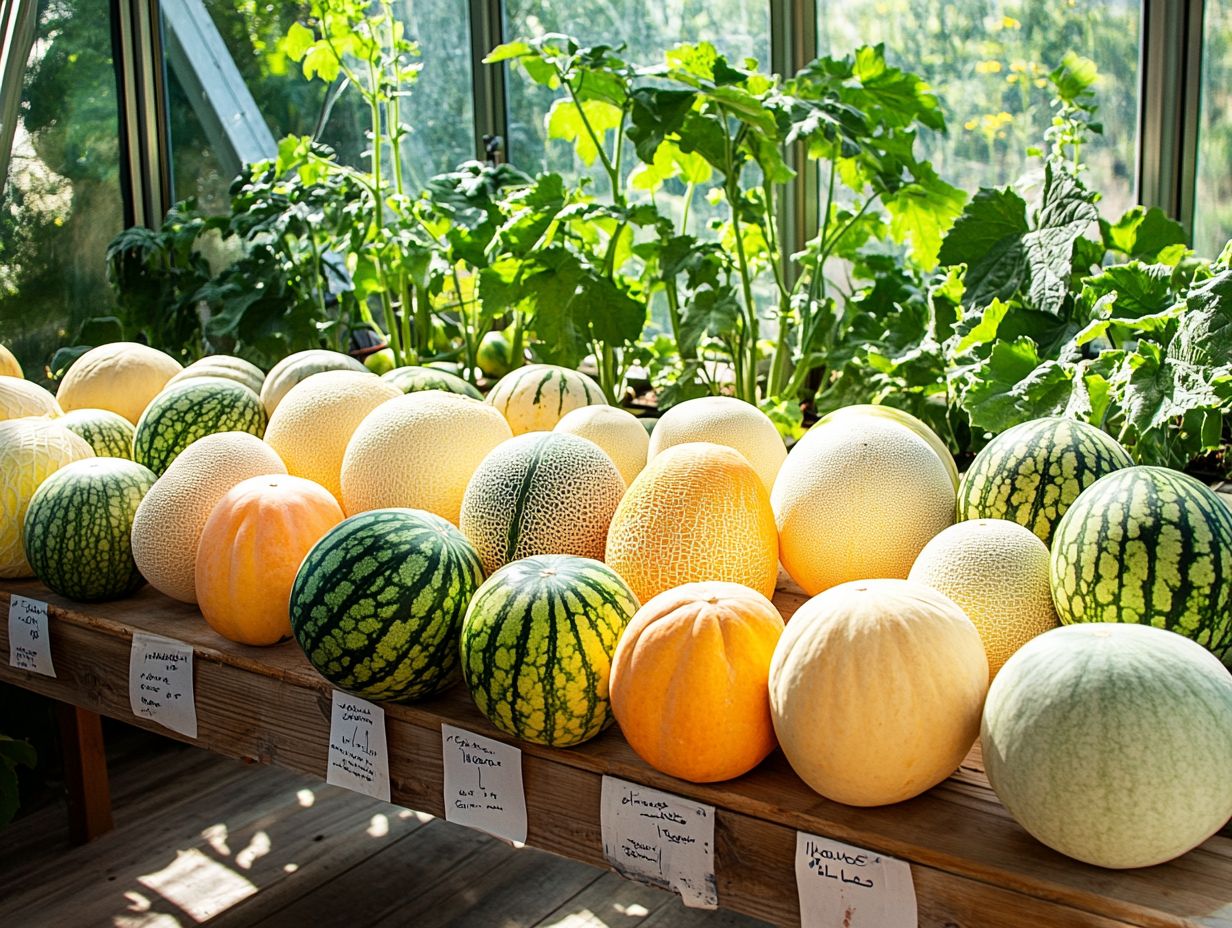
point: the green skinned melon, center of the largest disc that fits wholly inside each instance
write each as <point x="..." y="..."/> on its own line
<point x="411" y="379"/>
<point x="225" y="366"/>
<point x="107" y="432"/>
<point x="190" y="410"/>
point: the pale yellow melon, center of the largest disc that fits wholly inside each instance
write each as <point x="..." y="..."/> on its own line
<point x="121" y="376"/>
<point x="859" y="502"/>
<point x="169" y="521"/>
<point x="298" y="367"/>
<point x="223" y="365"/>
<point x="314" y="422"/>
<point x="419" y="451"/>
<point x="616" y="431"/>
<point x="903" y="418"/>
<point x="876" y="689"/>
<point x="997" y="571"/>
<point x="535" y="397"/>
<point x="20" y="398"/>
<point x="9" y="365"/>
<point x="723" y="420"/>
<point x="31" y="450"/>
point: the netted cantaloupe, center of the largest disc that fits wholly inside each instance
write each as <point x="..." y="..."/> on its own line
<point x="697" y="512"/>
<point x="902" y="418"/>
<point x="616" y="431"/>
<point x="300" y="366"/>
<point x="9" y="365"/>
<point x="540" y="493"/>
<point x="723" y="420"/>
<point x="535" y="397"/>
<point x="121" y="376"/>
<point x="314" y="422"/>
<point x="109" y="433"/>
<point x="20" y="398"/>
<point x="169" y="520"/>
<point x="418" y="451"/>
<point x="223" y="365"/>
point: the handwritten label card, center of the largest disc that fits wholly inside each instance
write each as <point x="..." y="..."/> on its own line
<point x="160" y="682"/>
<point x="358" y="755"/>
<point x="29" y="638"/>
<point x="483" y="784"/>
<point x="840" y="884"/>
<point x="661" y="839"/>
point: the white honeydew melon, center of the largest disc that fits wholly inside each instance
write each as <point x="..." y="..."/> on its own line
<point x="618" y="432"/>
<point x="300" y="366"/>
<point x="20" y="398"/>
<point x="903" y="418"/>
<point x="723" y="420"/>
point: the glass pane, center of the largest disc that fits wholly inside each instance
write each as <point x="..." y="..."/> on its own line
<point x="988" y="60"/>
<point x="1213" y="199"/>
<point x="62" y="196"/>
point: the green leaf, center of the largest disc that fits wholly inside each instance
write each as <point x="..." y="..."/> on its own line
<point x="298" y="40"/>
<point x="987" y="237"/>
<point x="654" y="115"/>
<point x="712" y="311"/>
<point x="1066" y="212"/>
<point x="1139" y="289"/>
<point x="921" y="212"/>
<point x="1014" y="385"/>
<point x="14" y="753"/>
<point x="979" y="329"/>
<point x="573" y="123"/>
<point x="1074" y="77"/>
<point x="507" y="52"/>
<point x="1143" y="233"/>
<point x="321" y="62"/>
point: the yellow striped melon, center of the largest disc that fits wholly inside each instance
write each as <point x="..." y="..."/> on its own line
<point x="618" y="432"/>
<point x="20" y="398"/>
<point x="169" y="521"/>
<point x="535" y="397"/>
<point x="723" y="420"/>
<point x="902" y="418"/>
<point x="224" y="365"/>
<point x="121" y="376"/>
<point x="9" y="365"/>
<point x="300" y="366"/>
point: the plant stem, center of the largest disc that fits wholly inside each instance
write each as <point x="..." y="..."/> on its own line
<point x="612" y="174"/>
<point x="746" y="385"/>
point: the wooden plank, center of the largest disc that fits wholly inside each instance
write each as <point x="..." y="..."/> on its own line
<point x="85" y="773"/>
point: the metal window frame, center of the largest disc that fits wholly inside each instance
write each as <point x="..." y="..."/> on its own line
<point x="18" y="26"/>
<point x="490" y="103"/>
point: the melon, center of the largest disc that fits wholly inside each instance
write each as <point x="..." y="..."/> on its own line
<point x="122" y="376"/>
<point x="225" y="366"/>
<point x="168" y="523"/>
<point x="300" y="366"/>
<point x="21" y="398"/>
<point x="1112" y="743"/>
<point x="314" y="422"/>
<point x="412" y="379"/>
<point x="723" y="420"/>
<point x="858" y="499"/>
<point x="419" y="451"/>
<point x="540" y="493"/>
<point x="902" y="418"/>
<point x="876" y="689"/>
<point x="494" y="355"/>
<point x="191" y="410"/>
<point x="535" y="397"/>
<point x="619" y="433"/>
<point x="109" y="433"/>
<point x="9" y="365"/>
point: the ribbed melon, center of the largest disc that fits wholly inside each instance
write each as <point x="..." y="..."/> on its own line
<point x="31" y="450"/>
<point x="21" y="398"/>
<point x="537" y="646"/>
<point x="378" y="603"/>
<point x="723" y="420"/>
<point x="109" y="433"/>
<point x="697" y="512"/>
<point x="225" y="366"/>
<point x="617" y="431"/>
<point x="418" y="451"/>
<point x="9" y="365"/>
<point x="122" y="376"/>
<point x="1031" y="473"/>
<point x="903" y="418"/>
<point x="540" y="493"/>
<point x="168" y="523"/>
<point x="411" y="379"/>
<point x="78" y="528"/>
<point x="191" y="410"/>
<point x="313" y="424"/>
<point x="535" y="397"/>
<point x="300" y="366"/>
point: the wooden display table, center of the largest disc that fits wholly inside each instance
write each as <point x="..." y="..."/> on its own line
<point x="972" y="865"/>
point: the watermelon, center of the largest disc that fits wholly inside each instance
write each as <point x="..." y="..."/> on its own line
<point x="78" y="528"/>
<point x="190" y="410"/>
<point x="107" y="432"/>
<point x="378" y="602"/>
<point x="537" y="646"/>
<point x="412" y="379"/>
<point x="1151" y="546"/>
<point x="1030" y="474"/>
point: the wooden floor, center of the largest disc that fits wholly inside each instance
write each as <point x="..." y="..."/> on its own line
<point x="201" y="839"/>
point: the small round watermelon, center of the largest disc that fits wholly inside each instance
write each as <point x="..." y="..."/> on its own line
<point x="1151" y="546"/>
<point x="537" y="646"/>
<point x="412" y="379"/>
<point x="79" y="526"/>
<point x="107" y="432"/>
<point x="378" y="603"/>
<point x="190" y="410"/>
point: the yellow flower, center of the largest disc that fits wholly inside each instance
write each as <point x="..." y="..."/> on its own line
<point x="988" y="67"/>
<point x="1009" y="22"/>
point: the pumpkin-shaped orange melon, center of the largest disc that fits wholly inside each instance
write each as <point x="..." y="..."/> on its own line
<point x="250" y="551"/>
<point x="689" y="680"/>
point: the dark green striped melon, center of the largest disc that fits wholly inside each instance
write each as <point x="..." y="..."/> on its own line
<point x="1151" y="546"/>
<point x="79" y="525"/>
<point x="1030" y="474"/>
<point x="192" y="409"/>
<point x="107" y="432"/>
<point x="378" y="603"/>
<point x="537" y="646"/>
<point x="412" y="379"/>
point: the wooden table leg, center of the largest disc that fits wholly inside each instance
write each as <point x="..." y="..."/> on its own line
<point x="85" y="773"/>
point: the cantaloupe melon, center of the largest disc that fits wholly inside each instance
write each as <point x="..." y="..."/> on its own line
<point x="535" y="397"/>
<point x="9" y="365"/>
<point x="20" y="398"/>
<point x="723" y="420"/>
<point x="121" y="376"/>
<point x="616" y="431"/>
<point x="223" y="365"/>
<point x="300" y="366"/>
<point x="314" y="422"/>
<point x="168" y="523"/>
<point x="418" y="451"/>
<point x="903" y="418"/>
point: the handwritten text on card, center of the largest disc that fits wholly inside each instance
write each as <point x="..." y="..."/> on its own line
<point x="358" y="755"/>
<point x="29" y="637"/>
<point x="160" y="682"/>
<point x="483" y="784"/>
<point x="840" y="884"/>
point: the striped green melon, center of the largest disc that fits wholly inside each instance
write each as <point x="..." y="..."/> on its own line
<point x="537" y="646"/>
<point x="78" y="528"/>
<point x="535" y="397"/>
<point x="411" y="379"/>
<point x="1030" y="474"/>
<point x="225" y="366"/>
<point x="107" y="432"/>
<point x="190" y="410"/>
<point x="1151" y="546"/>
<point x="378" y="603"/>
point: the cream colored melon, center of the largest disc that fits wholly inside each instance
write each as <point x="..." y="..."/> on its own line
<point x="860" y="502"/>
<point x="300" y="366"/>
<point x="314" y="422"/>
<point x="20" y="398"/>
<point x="902" y="418"/>
<point x="535" y="397"/>
<point x="997" y="571"/>
<point x="31" y="450"/>
<point x="9" y="365"/>
<point x="419" y="451"/>
<point x="618" y="432"/>
<point x="224" y="365"/>
<point x="121" y="376"/>
<point x="169" y="521"/>
<point x="876" y="689"/>
<point x="723" y="420"/>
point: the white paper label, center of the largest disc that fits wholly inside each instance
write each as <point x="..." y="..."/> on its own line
<point x="160" y="682"/>
<point x="483" y="784"/>
<point x="29" y="638"/>
<point x="840" y="884"/>
<point x="358" y="755"/>
<point x="661" y="839"/>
